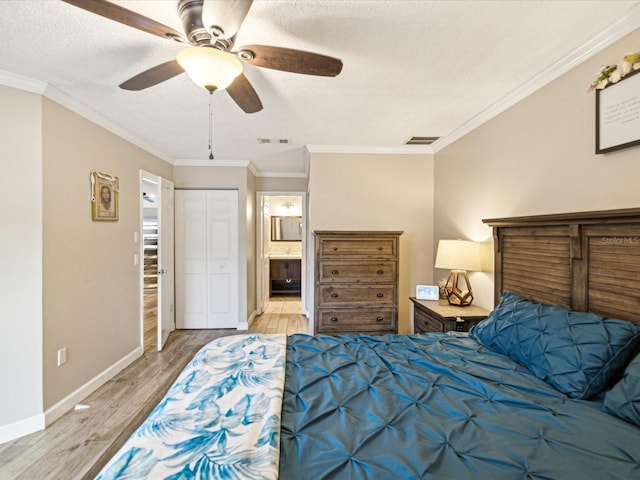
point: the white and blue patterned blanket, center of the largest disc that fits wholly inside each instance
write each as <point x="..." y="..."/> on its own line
<point x="220" y="419"/>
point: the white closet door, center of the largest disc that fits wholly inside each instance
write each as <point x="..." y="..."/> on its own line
<point x="222" y="255"/>
<point x="206" y="258"/>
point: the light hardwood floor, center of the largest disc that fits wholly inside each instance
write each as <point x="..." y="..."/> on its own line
<point x="77" y="445"/>
<point x="281" y="315"/>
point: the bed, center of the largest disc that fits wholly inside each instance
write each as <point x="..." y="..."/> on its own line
<point x="548" y="387"/>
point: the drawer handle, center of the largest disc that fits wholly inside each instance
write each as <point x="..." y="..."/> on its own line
<point x="334" y="272"/>
<point x="379" y="319"/>
<point x="335" y="249"/>
<point x="288" y="280"/>
<point x="380" y="295"/>
<point x="334" y="295"/>
<point x="334" y="319"/>
<point x="380" y="248"/>
<point x="380" y="272"/>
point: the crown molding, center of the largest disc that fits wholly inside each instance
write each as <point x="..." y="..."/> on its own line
<point x="616" y="31"/>
<point x="90" y="114"/>
<point x="199" y="162"/>
<point x="283" y="174"/>
<point x="21" y="82"/>
<point x="368" y="149"/>
<point x="194" y="162"/>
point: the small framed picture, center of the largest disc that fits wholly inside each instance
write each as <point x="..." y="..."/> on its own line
<point x="427" y="292"/>
<point x="104" y="198"/>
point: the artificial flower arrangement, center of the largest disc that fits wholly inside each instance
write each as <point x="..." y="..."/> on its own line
<point x="614" y="73"/>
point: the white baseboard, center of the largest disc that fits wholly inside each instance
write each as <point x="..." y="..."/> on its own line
<point x="252" y="317"/>
<point x="69" y="402"/>
<point x="21" y="428"/>
<point x="40" y="421"/>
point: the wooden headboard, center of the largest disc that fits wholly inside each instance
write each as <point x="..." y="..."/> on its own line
<point x="588" y="261"/>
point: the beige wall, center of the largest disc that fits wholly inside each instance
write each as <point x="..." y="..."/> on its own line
<point x="251" y="244"/>
<point x="20" y="261"/>
<point x="537" y="157"/>
<point x="67" y="282"/>
<point x="378" y="192"/>
<point x="91" y="286"/>
<point x="281" y="184"/>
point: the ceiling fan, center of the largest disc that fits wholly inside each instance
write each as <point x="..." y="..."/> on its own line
<point x="210" y="29"/>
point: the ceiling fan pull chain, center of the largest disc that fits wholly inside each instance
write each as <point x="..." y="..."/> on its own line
<point x="210" y="127"/>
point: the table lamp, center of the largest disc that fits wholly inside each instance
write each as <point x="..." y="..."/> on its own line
<point x="458" y="256"/>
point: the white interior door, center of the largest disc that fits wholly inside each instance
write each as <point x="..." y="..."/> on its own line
<point x="207" y="259"/>
<point x="166" y="271"/>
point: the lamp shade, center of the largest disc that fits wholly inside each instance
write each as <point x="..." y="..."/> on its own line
<point x="208" y="67"/>
<point x="458" y="255"/>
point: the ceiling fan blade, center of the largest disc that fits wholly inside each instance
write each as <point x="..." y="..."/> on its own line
<point x="290" y="60"/>
<point x="225" y="16"/>
<point x="153" y="76"/>
<point x="242" y="92"/>
<point x="127" y="17"/>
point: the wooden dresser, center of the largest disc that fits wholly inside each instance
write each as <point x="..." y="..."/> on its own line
<point x="356" y="287"/>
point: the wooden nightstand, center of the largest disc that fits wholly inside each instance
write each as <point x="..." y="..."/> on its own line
<point x="439" y="316"/>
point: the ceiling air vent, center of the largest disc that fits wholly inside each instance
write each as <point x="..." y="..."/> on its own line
<point x="273" y="140"/>
<point x="421" y="140"/>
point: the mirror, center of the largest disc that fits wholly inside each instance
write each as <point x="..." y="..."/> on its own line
<point x="286" y="229"/>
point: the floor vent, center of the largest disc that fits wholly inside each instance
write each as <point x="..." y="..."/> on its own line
<point x="421" y="140"/>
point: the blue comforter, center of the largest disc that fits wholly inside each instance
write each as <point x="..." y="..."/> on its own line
<point x="437" y="406"/>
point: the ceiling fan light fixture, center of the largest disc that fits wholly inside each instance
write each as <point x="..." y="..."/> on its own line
<point x="208" y="67"/>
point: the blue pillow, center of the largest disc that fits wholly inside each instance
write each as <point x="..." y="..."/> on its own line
<point x="623" y="400"/>
<point x="578" y="353"/>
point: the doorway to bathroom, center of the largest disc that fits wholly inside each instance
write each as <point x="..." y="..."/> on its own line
<point x="281" y="240"/>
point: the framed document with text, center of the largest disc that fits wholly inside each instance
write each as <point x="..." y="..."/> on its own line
<point x="618" y="115"/>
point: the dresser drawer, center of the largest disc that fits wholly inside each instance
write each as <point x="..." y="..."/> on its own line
<point x="360" y="320"/>
<point x="356" y="272"/>
<point x="368" y="295"/>
<point x="358" y="247"/>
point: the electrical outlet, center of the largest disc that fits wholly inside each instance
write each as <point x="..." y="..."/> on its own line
<point x="62" y="356"/>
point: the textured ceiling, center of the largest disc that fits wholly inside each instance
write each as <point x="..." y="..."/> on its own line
<point x="411" y="68"/>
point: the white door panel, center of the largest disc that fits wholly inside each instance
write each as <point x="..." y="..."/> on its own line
<point x="166" y="271"/>
<point x="207" y="245"/>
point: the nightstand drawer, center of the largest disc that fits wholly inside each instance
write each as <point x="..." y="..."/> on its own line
<point x="352" y="272"/>
<point x="423" y="323"/>
<point x="366" y="295"/>
<point x="439" y="316"/>
<point x="360" y="320"/>
<point x="465" y="326"/>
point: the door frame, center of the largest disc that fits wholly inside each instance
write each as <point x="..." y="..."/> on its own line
<point x="261" y="254"/>
<point x="149" y="177"/>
